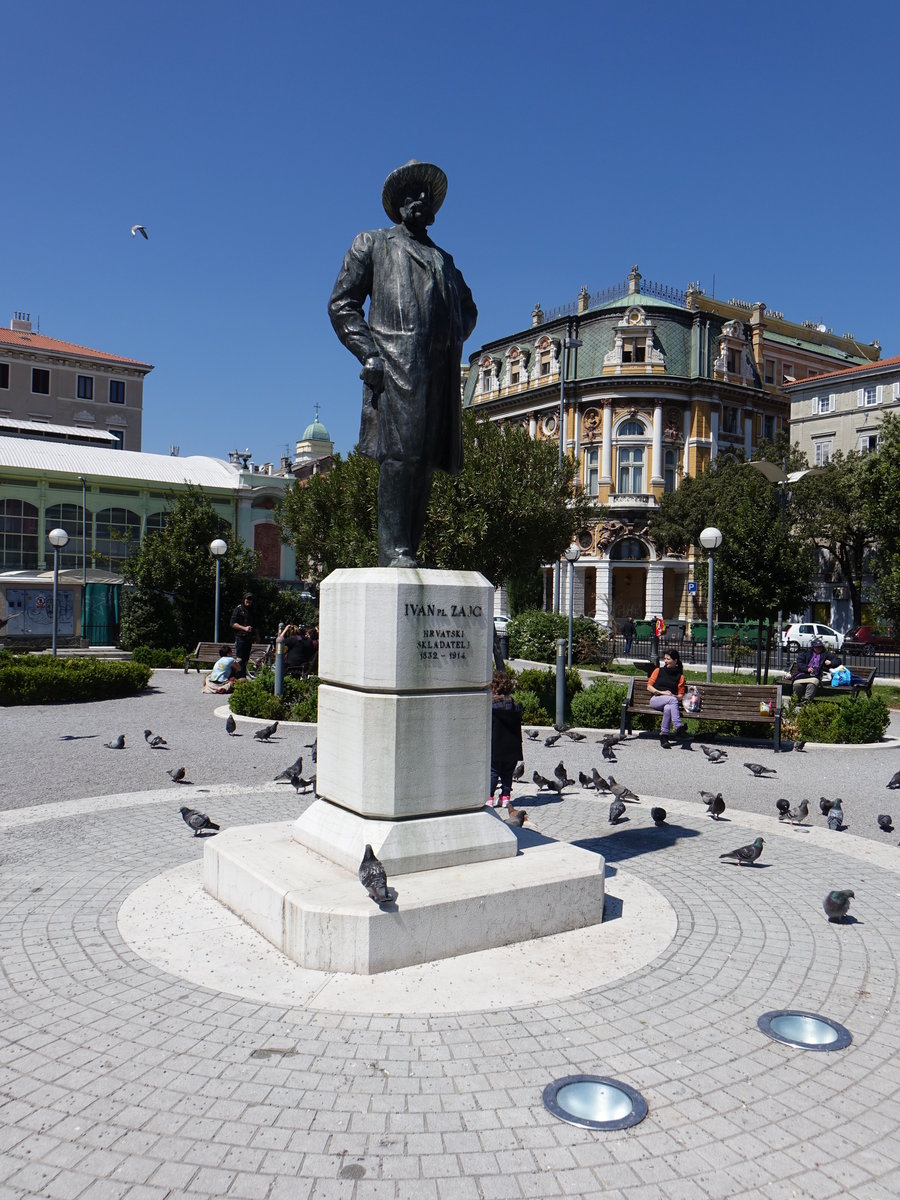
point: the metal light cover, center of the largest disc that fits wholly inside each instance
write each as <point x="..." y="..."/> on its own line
<point x="572" y="553"/>
<point x="218" y="548"/>
<point x="594" y="1102"/>
<point x="805" y="1030"/>
<point x="57" y="538"/>
<point x="711" y="538"/>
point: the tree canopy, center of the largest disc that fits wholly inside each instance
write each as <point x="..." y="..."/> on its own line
<point x="510" y="510"/>
<point x="881" y="493"/>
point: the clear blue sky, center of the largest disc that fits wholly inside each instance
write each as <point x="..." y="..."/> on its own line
<point x="750" y="144"/>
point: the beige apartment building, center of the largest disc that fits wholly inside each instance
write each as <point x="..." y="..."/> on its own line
<point x="49" y="388"/>
<point x="842" y="410"/>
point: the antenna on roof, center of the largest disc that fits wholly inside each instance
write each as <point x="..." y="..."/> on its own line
<point x="174" y="451"/>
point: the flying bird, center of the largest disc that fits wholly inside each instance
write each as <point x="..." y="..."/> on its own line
<point x="745" y="854"/>
<point x="177" y="774"/>
<point x="373" y="877"/>
<point x="141" y="230"/>
<point x="836" y="816"/>
<point x="837" y="905"/>
<point x="797" y="815"/>
<point x="658" y="816"/>
<point x="118" y="744"/>
<point x="230" y="725"/>
<point x="199" y="822"/>
<point x="616" y="811"/>
<point x="714" y="754"/>
<point x="758" y="770"/>
<point x="552" y="739"/>
<point x="885" y="824"/>
<point x="894" y="781"/>
<point x="154" y="742"/>
<point x="715" y="806"/>
<point x="263" y="735"/>
<point x="532" y="734"/>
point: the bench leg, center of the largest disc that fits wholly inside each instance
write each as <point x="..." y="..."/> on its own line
<point x="624" y="720"/>
<point x="777" y="732"/>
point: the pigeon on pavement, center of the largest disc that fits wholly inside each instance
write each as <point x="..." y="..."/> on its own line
<point x="301" y="784"/>
<point x="263" y="735"/>
<point x="532" y="734"/>
<point x="551" y="739"/>
<point x="715" y="806"/>
<point x="177" y="774"/>
<point x="746" y="854"/>
<point x="598" y="781"/>
<point x="516" y="816"/>
<point x="799" y="744"/>
<point x="562" y="774"/>
<point x="836" y="816"/>
<point x="797" y="815"/>
<point x="373" y="877"/>
<point x="825" y="805"/>
<point x="541" y="780"/>
<point x="118" y="744"/>
<point x="198" y="821"/>
<point x="585" y="780"/>
<point x="616" y="811"/>
<point x="758" y="770"/>
<point x="230" y="725"/>
<point x="783" y="806"/>
<point x="658" y="816"/>
<point x="621" y="792"/>
<point x="894" y="781"/>
<point x="574" y="735"/>
<point x="885" y="824"/>
<point x="837" y="905"/>
<point x="154" y="742"/>
<point x="519" y="772"/>
<point x="294" y="769"/>
<point x="608" y="753"/>
<point x="714" y="754"/>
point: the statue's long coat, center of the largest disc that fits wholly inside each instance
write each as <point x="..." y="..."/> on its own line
<point x="420" y="313"/>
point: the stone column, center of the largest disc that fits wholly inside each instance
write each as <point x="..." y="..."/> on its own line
<point x="656" y="471"/>
<point x="654" y="597"/>
<point x="606" y="449"/>
<point x="748" y="435"/>
<point x="713" y="432"/>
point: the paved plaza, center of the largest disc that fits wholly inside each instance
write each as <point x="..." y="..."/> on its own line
<point x="125" y="1079"/>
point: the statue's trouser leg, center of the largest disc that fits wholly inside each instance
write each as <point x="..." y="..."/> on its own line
<point x="403" y="491"/>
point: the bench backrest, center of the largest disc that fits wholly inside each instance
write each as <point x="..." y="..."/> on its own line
<point x="739" y="702"/>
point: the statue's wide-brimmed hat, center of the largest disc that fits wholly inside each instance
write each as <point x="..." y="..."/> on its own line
<point x="397" y="186"/>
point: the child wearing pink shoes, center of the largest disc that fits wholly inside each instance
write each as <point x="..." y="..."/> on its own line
<point x="506" y="737"/>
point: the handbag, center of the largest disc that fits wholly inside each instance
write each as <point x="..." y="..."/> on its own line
<point x="692" y="701"/>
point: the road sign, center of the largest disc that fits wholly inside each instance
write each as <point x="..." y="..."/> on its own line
<point x="692" y="587"/>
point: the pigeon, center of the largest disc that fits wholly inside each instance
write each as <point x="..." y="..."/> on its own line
<point x="519" y="772"/>
<point x="598" y="781"/>
<point x="836" y="816"/>
<point x="715" y="807"/>
<point x="797" y="815"/>
<point x="825" y="805"/>
<point x="621" y="792"/>
<point x="610" y="739"/>
<point x="294" y="769"/>
<point x="141" y="230"/>
<point x="894" y="781"/>
<point x="541" y="781"/>
<point x="552" y="739"/>
<point x="118" y="744"/>
<point x="616" y="811"/>
<point x="154" y="742"/>
<point x="301" y="784"/>
<point x="373" y="877"/>
<point x="784" y="807"/>
<point x="230" y="725"/>
<point x="574" y="735"/>
<point x="885" y="824"/>
<point x="745" y="854"/>
<point x="177" y="774"/>
<point x="758" y="770"/>
<point x="585" y="780"/>
<point x="799" y="744"/>
<point x="608" y="753"/>
<point x="562" y="774"/>
<point x="658" y="816"/>
<point x="198" y="821"/>
<point x="263" y="735"/>
<point x="532" y="734"/>
<point x="312" y="747"/>
<point x="707" y="797"/>
<point x="516" y="816"/>
<point x="837" y="904"/>
<point x="714" y="754"/>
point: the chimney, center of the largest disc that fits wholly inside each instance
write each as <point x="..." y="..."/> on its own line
<point x="634" y="281"/>
<point x="537" y="315"/>
<point x="21" y="322"/>
<point x="757" y="333"/>
<point x="584" y="299"/>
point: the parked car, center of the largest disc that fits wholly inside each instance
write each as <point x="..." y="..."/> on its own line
<point x="865" y="640"/>
<point x="500" y="623"/>
<point x="801" y="635"/>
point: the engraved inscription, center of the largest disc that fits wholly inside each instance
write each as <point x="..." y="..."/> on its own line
<point x="442" y="635"/>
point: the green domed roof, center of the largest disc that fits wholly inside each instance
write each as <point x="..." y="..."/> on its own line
<point x="316" y="432"/>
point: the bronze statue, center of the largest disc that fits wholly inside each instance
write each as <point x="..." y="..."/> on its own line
<point x="420" y="313"/>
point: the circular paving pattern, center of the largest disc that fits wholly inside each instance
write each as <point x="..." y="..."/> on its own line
<point x="118" y="1079"/>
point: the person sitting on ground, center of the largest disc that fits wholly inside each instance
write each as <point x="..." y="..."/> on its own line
<point x="666" y="687"/>
<point x="807" y="678"/>
<point x="223" y="668"/>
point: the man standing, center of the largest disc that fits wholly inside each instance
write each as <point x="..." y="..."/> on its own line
<point x="420" y="313"/>
<point x="242" y="624"/>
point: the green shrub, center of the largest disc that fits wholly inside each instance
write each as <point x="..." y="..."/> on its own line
<point x="298" y="701"/>
<point x="41" y="679"/>
<point x="532" y="712"/>
<point x="534" y="634"/>
<point x="152" y="657"/>
<point x="599" y="706"/>
<point x="844" y="721"/>
<point x="543" y="684"/>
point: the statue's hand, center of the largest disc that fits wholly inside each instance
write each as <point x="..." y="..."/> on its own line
<point x="372" y="374"/>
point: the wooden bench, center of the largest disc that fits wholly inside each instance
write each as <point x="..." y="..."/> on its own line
<point x="826" y="692"/>
<point x="719" y="702"/>
<point x="208" y="653"/>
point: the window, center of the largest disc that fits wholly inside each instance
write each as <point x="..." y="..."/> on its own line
<point x="670" y="470"/>
<point x="118" y="533"/>
<point x="770" y="370"/>
<point x="592" y="471"/>
<point x="734" y="361"/>
<point x="119" y="435"/>
<point x="84" y="389"/>
<point x="634" y="350"/>
<point x="868" y="395"/>
<point x="787" y="373"/>
<point x="69" y="518"/>
<point x="18" y="535"/>
<point x="4" y="375"/>
<point x="823" y="404"/>
<point x="631" y="470"/>
<point x="156" y="522"/>
<point x="117" y="391"/>
<point x="769" y="428"/>
<point x="40" y="381"/>
<point x="868" y="442"/>
<point x="629" y="548"/>
<point x="514" y="375"/>
<point x="544" y="360"/>
<point x="730" y="419"/>
<point x="824" y="450"/>
<point x="632" y="429"/>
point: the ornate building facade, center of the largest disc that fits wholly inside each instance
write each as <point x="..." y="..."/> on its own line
<point x="647" y="384"/>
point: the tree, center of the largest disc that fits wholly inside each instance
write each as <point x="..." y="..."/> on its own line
<point x="510" y="510"/>
<point x="171" y="577"/>
<point x="882" y="501"/>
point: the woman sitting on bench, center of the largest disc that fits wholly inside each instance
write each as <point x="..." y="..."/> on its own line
<point x="666" y="688"/>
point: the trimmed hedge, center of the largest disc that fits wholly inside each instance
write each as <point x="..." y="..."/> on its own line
<point x="856" y="722"/>
<point x="153" y="657"/>
<point x="535" y="690"/>
<point x="599" y="706"/>
<point x="42" y="679"/>
<point x="533" y="635"/>
<point x="299" y="699"/>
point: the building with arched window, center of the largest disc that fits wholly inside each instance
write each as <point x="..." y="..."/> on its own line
<point x="660" y="382"/>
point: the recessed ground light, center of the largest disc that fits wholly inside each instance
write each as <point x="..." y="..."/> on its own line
<point x="594" y="1102"/>
<point x="808" y="1031"/>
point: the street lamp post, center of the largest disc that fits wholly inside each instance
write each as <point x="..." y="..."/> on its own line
<point x="572" y="555"/>
<point x="570" y="342"/>
<point x="57" y="539"/>
<point x="217" y="549"/>
<point x="711" y="540"/>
